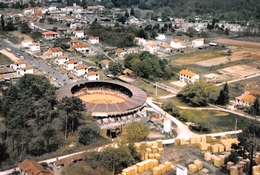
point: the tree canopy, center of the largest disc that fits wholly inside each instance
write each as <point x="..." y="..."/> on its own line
<point x="199" y="93"/>
<point x="148" y="66"/>
<point x="137" y="131"/>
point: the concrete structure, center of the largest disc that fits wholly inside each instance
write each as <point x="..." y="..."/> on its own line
<point x="18" y="65"/>
<point x="49" y="35"/>
<point x="82" y="47"/>
<point x="26" y="42"/>
<point x="26" y="70"/>
<point x="81" y="70"/>
<point x="34" y="47"/>
<point x="79" y="34"/>
<point x="247" y="98"/>
<point x="61" y="60"/>
<point x="92" y="76"/>
<point x="177" y="44"/>
<point x="93" y="40"/>
<point x="71" y="64"/>
<point x="197" y="42"/>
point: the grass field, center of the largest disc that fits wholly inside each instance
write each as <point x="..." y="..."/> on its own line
<point x="217" y="121"/>
<point x="4" y="59"/>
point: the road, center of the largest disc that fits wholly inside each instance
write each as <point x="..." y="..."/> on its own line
<point x="40" y="64"/>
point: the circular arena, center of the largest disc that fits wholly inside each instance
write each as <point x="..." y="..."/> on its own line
<point x="106" y="98"/>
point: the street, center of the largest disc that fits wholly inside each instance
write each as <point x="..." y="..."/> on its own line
<point x="40" y="64"/>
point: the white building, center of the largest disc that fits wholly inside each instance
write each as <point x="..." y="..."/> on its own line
<point x="18" y="65"/>
<point x="247" y="98"/>
<point x="197" y="42"/>
<point x="79" y="34"/>
<point x="82" y="47"/>
<point x="188" y="76"/>
<point x="140" y="41"/>
<point x="53" y="53"/>
<point x="35" y="47"/>
<point x="160" y="37"/>
<point x="81" y="70"/>
<point x="177" y="44"/>
<point x="71" y="64"/>
<point x="49" y="35"/>
<point x="26" y="70"/>
<point x="92" y="76"/>
<point x="61" y="60"/>
<point x="26" y="42"/>
<point x="93" y="40"/>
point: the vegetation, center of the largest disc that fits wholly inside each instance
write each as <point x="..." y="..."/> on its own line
<point x="32" y="119"/>
<point x="199" y="93"/>
<point x="148" y="66"/>
<point x="88" y="134"/>
<point x="137" y="131"/>
<point x="223" y="98"/>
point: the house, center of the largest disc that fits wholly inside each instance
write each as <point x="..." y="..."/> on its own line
<point x="81" y="70"/>
<point x="26" y="70"/>
<point x="73" y="42"/>
<point x="105" y="64"/>
<point x="178" y="20"/>
<point x="61" y="60"/>
<point x="132" y="50"/>
<point x="53" y="52"/>
<point x="79" y="34"/>
<point x="92" y="76"/>
<point x="26" y="42"/>
<point x="49" y="35"/>
<point x="31" y="167"/>
<point x="177" y="44"/>
<point x="120" y="52"/>
<point x="140" y="41"/>
<point x="165" y="47"/>
<point x="151" y="47"/>
<point x="247" y="98"/>
<point x="35" y="47"/>
<point x="160" y="37"/>
<point x="71" y="64"/>
<point x="82" y="47"/>
<point x="188" y="76"/>
<point x="197" y="42"/>
<point x="18" y="65"/>
<point x="93" y="40"/>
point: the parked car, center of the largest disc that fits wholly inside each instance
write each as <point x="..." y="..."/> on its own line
<point x="22" y="49"/>
<point x="22" y="57"/>
<point x="36" y="57"/>
<point x="8" y="49"/>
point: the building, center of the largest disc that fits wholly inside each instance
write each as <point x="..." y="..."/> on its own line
<point x="105" y="64"/>
<point x="247" y="98"/>
<point x="165" y="47"/>
<point x="61" y="60"/>
<point x="18" y="65"/>
<point x="177" y="44"/>
<point x="160" y="37"/>
<point x="31" y="167"/>
<point x="35" y="47"/>
<point x="53" y="53"/>
<point x="197" y="42"/>
<point x="26" y="42"/>
<point x="151" y="47"/>
<point x="82" y="47"/>
<point x="93" y="40"/>
<point x="140" y="41"/>
<point x="188" y="76"/>
<point x="74" y="42"/>
<point x="79" y="34"/>
<point x="26" y="70"/>
<point x="71" y="64"/>
<point x="92" y="76"/>
<point x="120" y="52"/>
<point x="81" y="70"/>
<point x="49" y="35"/>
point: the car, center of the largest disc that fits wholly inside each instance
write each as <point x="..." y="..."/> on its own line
<point x="18" y="54"/>
<point x="8" y="49"/>
<point x="22" y="49"/>
<point x="29" y="53"/>
<point x="110" y="75"/>
<point x="36" y="57"/>
<point x="22" y="57"/>
<point x="48" y="63"/>
<point x="44" y="72"/>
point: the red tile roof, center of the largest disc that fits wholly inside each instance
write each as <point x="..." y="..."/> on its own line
<point x="247" y="96"/>
<point x="81" y="67"/>
<point x="71" y="62"/>
<point x="187" y="73"/>
<point x="81" y="45"/>
<point x="31" y="167"/>
<point x="50" y="33"/>
<point x="92" y="73"/>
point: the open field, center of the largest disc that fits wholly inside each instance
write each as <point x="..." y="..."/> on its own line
<point x="238" y="43"/>
<point x="4" y="59"/>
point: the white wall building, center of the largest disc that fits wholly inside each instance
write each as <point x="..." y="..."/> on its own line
<point x="92" y="76"/>
<point x="188" y="76"/>
<point x="81" y="70"/>
<point x="18" y="65"/>
<point x="26" y="70"/>
<point x="71" y="65"/>
<point x="93" y="40"/>
<point x="197" y="42"/>
<point x="61" y="60"/>
<point x="160" y="37"/>
<point x="177" y="44"/>
<point x="26" y="42"/>
<point x="79" y="34"/>
<point x="35" y="47"/>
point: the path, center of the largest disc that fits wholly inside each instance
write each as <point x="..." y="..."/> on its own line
<point x="236" y="80"/>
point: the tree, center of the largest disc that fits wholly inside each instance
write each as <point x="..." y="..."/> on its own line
<point x="115" y="68"/>
<point x="3" y="22"/>
<point x="36" y="35"/>
<point x="171" y="109"/>
<point x="227" y="31"/>
<point x="9" y="26"/>
<point x="223" y="98"/>
<point x="73" y="108"/>
<point x="191" y="32"/>
<point x="3" y="150"/>
<point x="198" y="93"/>
<point x="132" y="12"/>
<point x="77" y="169"/>
<point x="36" y="147"/>
<point x="255" y="107"/>
<point x="25" y="28"/>
<point x="137" y="131"/>
<point x="88" y="134"/>
<point x="115" y="159"/>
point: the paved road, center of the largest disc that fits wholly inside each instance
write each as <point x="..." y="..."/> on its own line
<point x="39" y="64"/>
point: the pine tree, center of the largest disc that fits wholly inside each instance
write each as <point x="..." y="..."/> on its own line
<point x="3" y="22"/>
<point x="223" y="97"/>
<point x="256" y="107"/>
<point x="132" y="12"/>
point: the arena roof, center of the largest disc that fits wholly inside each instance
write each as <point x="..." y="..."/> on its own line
<point x="131" y="104"/>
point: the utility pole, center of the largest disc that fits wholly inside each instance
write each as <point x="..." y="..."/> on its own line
<point x="156" y="84"/>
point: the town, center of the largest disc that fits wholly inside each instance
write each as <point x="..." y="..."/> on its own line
<point x="99" y="89"/>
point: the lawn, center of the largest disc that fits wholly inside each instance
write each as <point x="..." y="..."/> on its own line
<point x="217" y="121"/>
